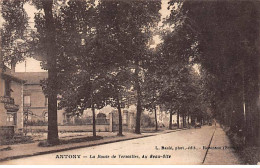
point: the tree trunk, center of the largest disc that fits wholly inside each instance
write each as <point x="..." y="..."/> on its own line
<point x="94" y="120"/>
<point x="183" y="120"/>
<point x="139" y="106"/>
<point x="120" y="131"/>
<point x="170" y="122"/>
<point x="192" y="120"/>
<point x="257" y="43"/>
<point x="252" y="98"/>
<point x="52" y="136"/>
<point x="188" y="119"/>
<point x="178" y="119"/>
<point x="258" y="55"/>
<point x="155" y="117"/>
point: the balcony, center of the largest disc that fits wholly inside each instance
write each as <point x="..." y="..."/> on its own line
<point x="9" y="104"/>
<point x="6" y="100"/>
<point x="12" y="107"/>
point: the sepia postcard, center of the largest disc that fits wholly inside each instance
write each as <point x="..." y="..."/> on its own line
<point x="129" y="82"/>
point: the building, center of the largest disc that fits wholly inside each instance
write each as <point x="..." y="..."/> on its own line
<point x="35" y="103"/>
<point x="11" y="102"/>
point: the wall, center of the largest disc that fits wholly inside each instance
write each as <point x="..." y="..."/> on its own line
<point x="38" y="103"/>
<point x="17" y="94"/>
<point x="2" y="108"/>
<point x="36" y="94"/>
<point x="80" y="128"/>
<point x="128" y="120"/>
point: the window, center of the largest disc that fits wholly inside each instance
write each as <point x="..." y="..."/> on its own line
<point x="27" y="101"/>
<point x="11" y="118"/>
<point x="7" y="88"/>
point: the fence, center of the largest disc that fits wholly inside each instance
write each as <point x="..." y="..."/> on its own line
<point x="66" y="128"/>
<point x="86" y="124"/>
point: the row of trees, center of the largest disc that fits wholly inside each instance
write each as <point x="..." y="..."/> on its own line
<point x="98" y="54"/>
<point x="228" y="39"/>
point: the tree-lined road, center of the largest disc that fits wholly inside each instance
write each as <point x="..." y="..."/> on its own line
<point x="182" y="147"/>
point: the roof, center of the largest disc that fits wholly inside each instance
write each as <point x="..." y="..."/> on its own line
<point x="11" y="77"/>
<point x="32" y="77"/>
<point x="6" y="73"/>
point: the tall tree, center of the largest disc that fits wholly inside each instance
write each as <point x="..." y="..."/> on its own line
<point x="176" y="58"/>
<point x="151" y="90"/>
<point x="83" y="64"/>
<point x="51" y="57"/>
<point x="14" y="46"/>
<point x="130" y="26"/>
<point x="230" y="60"/>
<point x="108" y="24"/>
<point x="118" y="86"/>
<point x="47" y="50"/>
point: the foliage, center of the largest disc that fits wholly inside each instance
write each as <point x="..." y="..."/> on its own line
<point x="98" y="54"/>
<point x="111" y="45"/>
<point x="226" y="39"/>
<point x="13" y="33"/>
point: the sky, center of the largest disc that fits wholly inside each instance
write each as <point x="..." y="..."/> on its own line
<point x="32" y="65"/>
